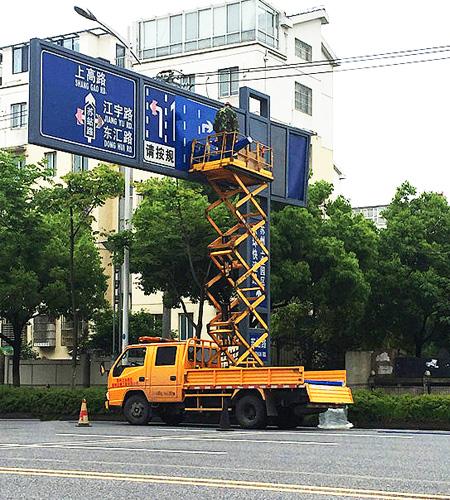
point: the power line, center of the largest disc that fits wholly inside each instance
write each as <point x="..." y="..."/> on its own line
<point x="344" y="60"/>
<point x="373" y="66"/>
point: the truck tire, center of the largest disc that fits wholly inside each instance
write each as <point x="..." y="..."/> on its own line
<point x="287" y="419"/>
<point x="251" y="412"/>
<point x="136" y="410"/>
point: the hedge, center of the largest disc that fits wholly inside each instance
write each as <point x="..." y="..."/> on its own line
<point x="378" y="409"/>
<point x="371" y="409"/>
<point x="50" y="403"/>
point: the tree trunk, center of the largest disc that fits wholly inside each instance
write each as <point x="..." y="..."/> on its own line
<point x="419" y="347"/>
<point x="166" y="323"/>
<point x="17" y="329"/>
<point x="201" y="307"/>
<point x="73" y="299"/>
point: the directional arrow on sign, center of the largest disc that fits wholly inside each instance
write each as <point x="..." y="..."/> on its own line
<point x="90" y="99"/>
<point x="157" y="110"/>
<point x="207" y="127"/>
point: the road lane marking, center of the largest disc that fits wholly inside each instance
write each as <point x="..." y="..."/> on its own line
<point x="221" y="483"/>
<point x="232" y="440"/>
<point x="109" y="448"/>
<point x="231" y="469"/>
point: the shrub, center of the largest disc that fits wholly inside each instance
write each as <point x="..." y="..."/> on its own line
<point x="50" y="403"/>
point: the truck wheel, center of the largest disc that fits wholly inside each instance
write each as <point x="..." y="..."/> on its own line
<point x="287" y="419"/>
<point x="172" y="418"/>
<point x="136" y="410"/>
<point x="251" y="412"/>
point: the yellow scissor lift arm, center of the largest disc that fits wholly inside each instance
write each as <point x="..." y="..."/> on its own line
<point x="239" y="170"/>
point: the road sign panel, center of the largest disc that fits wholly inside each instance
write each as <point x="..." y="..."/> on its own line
<point x="83" y="104"/>
<point x="171" y="123"/>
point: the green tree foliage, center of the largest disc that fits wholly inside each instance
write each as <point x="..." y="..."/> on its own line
<point x="169" y="244"/>
<point x="226" y="120"/>
<point x="322" y="257"/>
<point x="73" y="203"/>
<point x="28" y="259"/>
<point x="142" y="323"/>
<point x="410" y="304"/>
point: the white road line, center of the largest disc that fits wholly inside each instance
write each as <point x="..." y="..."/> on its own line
<point x="320" y="433"/>
<point x="110" y="448"/>
<point x="230" y="469"/>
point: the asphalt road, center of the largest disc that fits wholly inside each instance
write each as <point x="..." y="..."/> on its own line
<point x="57" y="460"/>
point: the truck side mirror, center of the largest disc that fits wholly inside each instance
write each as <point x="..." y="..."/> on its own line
<point x="103" y="370"/>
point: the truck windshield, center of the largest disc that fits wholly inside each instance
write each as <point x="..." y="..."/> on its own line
<point x="129" y="359"/>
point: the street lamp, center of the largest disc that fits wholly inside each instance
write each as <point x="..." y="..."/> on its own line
<point x="87" y="14"/>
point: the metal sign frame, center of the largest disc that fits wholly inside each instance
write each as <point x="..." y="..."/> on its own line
<point x="246" y="118"/>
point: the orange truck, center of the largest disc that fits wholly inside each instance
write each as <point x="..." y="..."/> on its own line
<point x="172" y="378"/>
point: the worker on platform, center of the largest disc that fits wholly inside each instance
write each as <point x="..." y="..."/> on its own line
<point x="226" y="126"/>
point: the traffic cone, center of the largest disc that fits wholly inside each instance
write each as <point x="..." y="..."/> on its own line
<point x="83" y="420"/>
<point x="224" y="423"/>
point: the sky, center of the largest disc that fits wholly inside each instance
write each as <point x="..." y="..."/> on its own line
<point x="390" y="124"/>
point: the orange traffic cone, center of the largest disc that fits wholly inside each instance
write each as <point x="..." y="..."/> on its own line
<point x="83" y="420"/>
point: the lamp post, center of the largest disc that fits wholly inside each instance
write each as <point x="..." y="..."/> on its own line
<point x="127" y="210"/>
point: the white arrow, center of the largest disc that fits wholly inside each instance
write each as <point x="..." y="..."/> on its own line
<point x="207" y="127"/>
<point x="90" y="99"/>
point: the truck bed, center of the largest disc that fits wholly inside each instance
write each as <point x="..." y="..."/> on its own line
<point x="241" y="378"/>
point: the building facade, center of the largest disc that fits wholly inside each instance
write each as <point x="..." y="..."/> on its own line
<point x="211" y="51"/>
<point x="373" y="213"/>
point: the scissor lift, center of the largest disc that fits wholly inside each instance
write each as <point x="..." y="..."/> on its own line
<point x="239" y="170"/>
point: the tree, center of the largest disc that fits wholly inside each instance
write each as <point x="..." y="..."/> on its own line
<point x="322" y="257"/>
<point x="73" y="203"/>
<point x="169" y="244"/>
<point x="142" y="323"/>
<point x="27" y="256"/>
<point x="411" y="289"/>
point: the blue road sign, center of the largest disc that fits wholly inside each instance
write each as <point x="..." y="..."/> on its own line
<point x="171" y="123"/>
<point x="262" y="349"/>
<point x="83" y="104"/>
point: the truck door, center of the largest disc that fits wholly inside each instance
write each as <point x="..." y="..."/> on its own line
<point x="166" y="375"/>
<point x="129" y="372"/>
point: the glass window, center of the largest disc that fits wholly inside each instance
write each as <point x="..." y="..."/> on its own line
<point x="70" y="43"/>
<point x="248" y="15"/>
<point x="303" y="98"/>
<point x="205" y="27"/>
<point x="191" y="26"/>
<point x="228" y="82"/>
<point x="176" y="29"/>
<point x="188" y="82"/>
<point x="303" y="50"/>
<point x="120" y="55"/>
<point x="19" y="115"/>
<point x="50" y="159"/>
<point x="79" y="163"/>
<point x="233" y="18"/>
<point x="185" y="326"/>
<point x="165" y="356"/>
<point x="220" y="21"/>
<point x="149" y="35"/>
<point x="162" y="27"/>
<point x="20" y="59"/>
<point x="130" y="358"/>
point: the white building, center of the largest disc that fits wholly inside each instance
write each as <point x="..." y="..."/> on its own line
<point x="373" y="213"/>
<point x="212" y="51"/>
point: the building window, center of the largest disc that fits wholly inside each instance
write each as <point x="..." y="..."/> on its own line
<point x="185" y="326"/>
<point x="267" y="25"/>
<point x="303" y="98"/>
<point x="72" y="43"/>
<point x="20" y="162"/>
<point x="79" y="163"/>
<point x="44" y="331"/>
<point x="20" y="59"/>
<point x="19" y="115"/>
<point x="188" y="82"/>
<point x="228" y="82"/>
<point x="303" y="50"/>
<point x="120" y="56"/>
<point x="235" y="22"/>
<point x="50" y="159"/>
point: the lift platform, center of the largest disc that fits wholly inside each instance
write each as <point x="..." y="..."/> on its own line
<point x="239" y="170"/>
